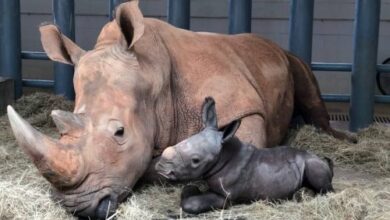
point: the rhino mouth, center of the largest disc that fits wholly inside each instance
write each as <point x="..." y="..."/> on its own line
<point x="99" y="202"/>
<point x="168" y="175"/>
<point x="166" y="170"/>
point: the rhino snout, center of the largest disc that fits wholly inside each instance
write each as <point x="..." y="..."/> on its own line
<point x="106" y="208"/>
<point x="166" y="169"/>
<point x="101" y="209"/>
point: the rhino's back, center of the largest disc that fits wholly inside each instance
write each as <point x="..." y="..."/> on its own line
<point x="245" y="74"/>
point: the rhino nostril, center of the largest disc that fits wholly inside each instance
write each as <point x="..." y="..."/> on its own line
<point x="171" y="173"/>
<point x="105" y="208"/>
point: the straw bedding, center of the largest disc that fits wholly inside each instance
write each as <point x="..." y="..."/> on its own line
<point x="362" y="178"/>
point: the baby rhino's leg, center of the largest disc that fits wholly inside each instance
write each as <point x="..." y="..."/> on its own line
<point x="200" y="202"/>
<point x="188" y="191"/>
<point x="318" y="175"/>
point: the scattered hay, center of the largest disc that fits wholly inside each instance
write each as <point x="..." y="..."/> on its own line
<point x="28" y="200"/>
<point x="371" y="153"/>
<point x="354" y="201"/>
<point x="38" y="106"/>
<point x="24" y="194"/>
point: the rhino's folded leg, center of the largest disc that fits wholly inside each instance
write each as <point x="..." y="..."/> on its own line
<point x="203" y="203"/>
<point x="189" y="191"/>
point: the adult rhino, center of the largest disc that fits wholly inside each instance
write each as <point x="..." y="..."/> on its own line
<point x="141" y="89"/>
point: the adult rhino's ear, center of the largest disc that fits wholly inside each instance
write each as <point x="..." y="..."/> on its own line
<point x="209" y="115"/>
<point x="131" y="21"/>
<point x="230" y="130"/>
<point x="58" y="47"/>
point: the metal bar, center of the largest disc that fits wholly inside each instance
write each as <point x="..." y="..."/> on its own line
<point x="63" y="11"/>
<point x="301" y="28"/>
<point x="345" y="67"/>
<point x="34" y="55"/>
<point x="240" y="16"/>
<point x="111" y="7"/>
<point x="366" y="29"/>
<point x="10" y="58"/>
<point x="347" y="98"/>
<point x="37" y="83"/>
<point x="335" y="98"/>
<point x="179" y="13"/>
<point x="384" y="68"/>
<point x="382" y="99"/>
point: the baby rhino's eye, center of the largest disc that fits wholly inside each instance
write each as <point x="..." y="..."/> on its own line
<point x="195" y="162"/>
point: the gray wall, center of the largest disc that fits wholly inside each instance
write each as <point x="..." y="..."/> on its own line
<point x="332" y="40"/>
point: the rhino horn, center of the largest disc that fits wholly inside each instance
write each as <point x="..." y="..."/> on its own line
<point x="59" y="164"/>
<point x="67" y="122"/>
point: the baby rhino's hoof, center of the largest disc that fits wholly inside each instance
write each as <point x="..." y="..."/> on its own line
<point x="192" y="206"/>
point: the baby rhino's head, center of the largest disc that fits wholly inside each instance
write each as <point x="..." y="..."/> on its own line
<point x="193" y="157"/>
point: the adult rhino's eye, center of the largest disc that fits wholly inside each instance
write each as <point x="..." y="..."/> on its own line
<point x="116" y="130"/>
<point x="120" y="132"/>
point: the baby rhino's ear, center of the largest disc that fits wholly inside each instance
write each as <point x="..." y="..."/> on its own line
<point x="230" y="130"/>
<point x="209" y="116"/>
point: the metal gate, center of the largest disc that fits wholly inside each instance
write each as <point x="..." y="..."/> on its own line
<point x="363" y="68"/>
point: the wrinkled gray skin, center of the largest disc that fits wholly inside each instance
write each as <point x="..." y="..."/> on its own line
<point x="238" y="172"/>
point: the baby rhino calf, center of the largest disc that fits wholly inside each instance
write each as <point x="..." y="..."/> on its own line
<point x="237" y="172"/>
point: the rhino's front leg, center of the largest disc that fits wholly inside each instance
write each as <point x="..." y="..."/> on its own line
<point x="203" y="203"/>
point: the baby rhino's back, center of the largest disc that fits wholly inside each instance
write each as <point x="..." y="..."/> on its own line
<point x="277" y="172"/>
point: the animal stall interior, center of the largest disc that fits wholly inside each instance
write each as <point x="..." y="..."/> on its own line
<point x="345" y="42"/>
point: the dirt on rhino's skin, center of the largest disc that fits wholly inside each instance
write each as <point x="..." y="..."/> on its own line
<point x="362" y="178"/>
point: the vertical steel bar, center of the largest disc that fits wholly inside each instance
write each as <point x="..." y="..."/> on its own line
<point x="63" y="11"/>
<point x="240" y="16"/>
<point x="179" y="13"/>
<point x="366" y="31"/>
<point x="301" y="29"/>
<point x="111" y="7"/>
<point x="10" y="44"/>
